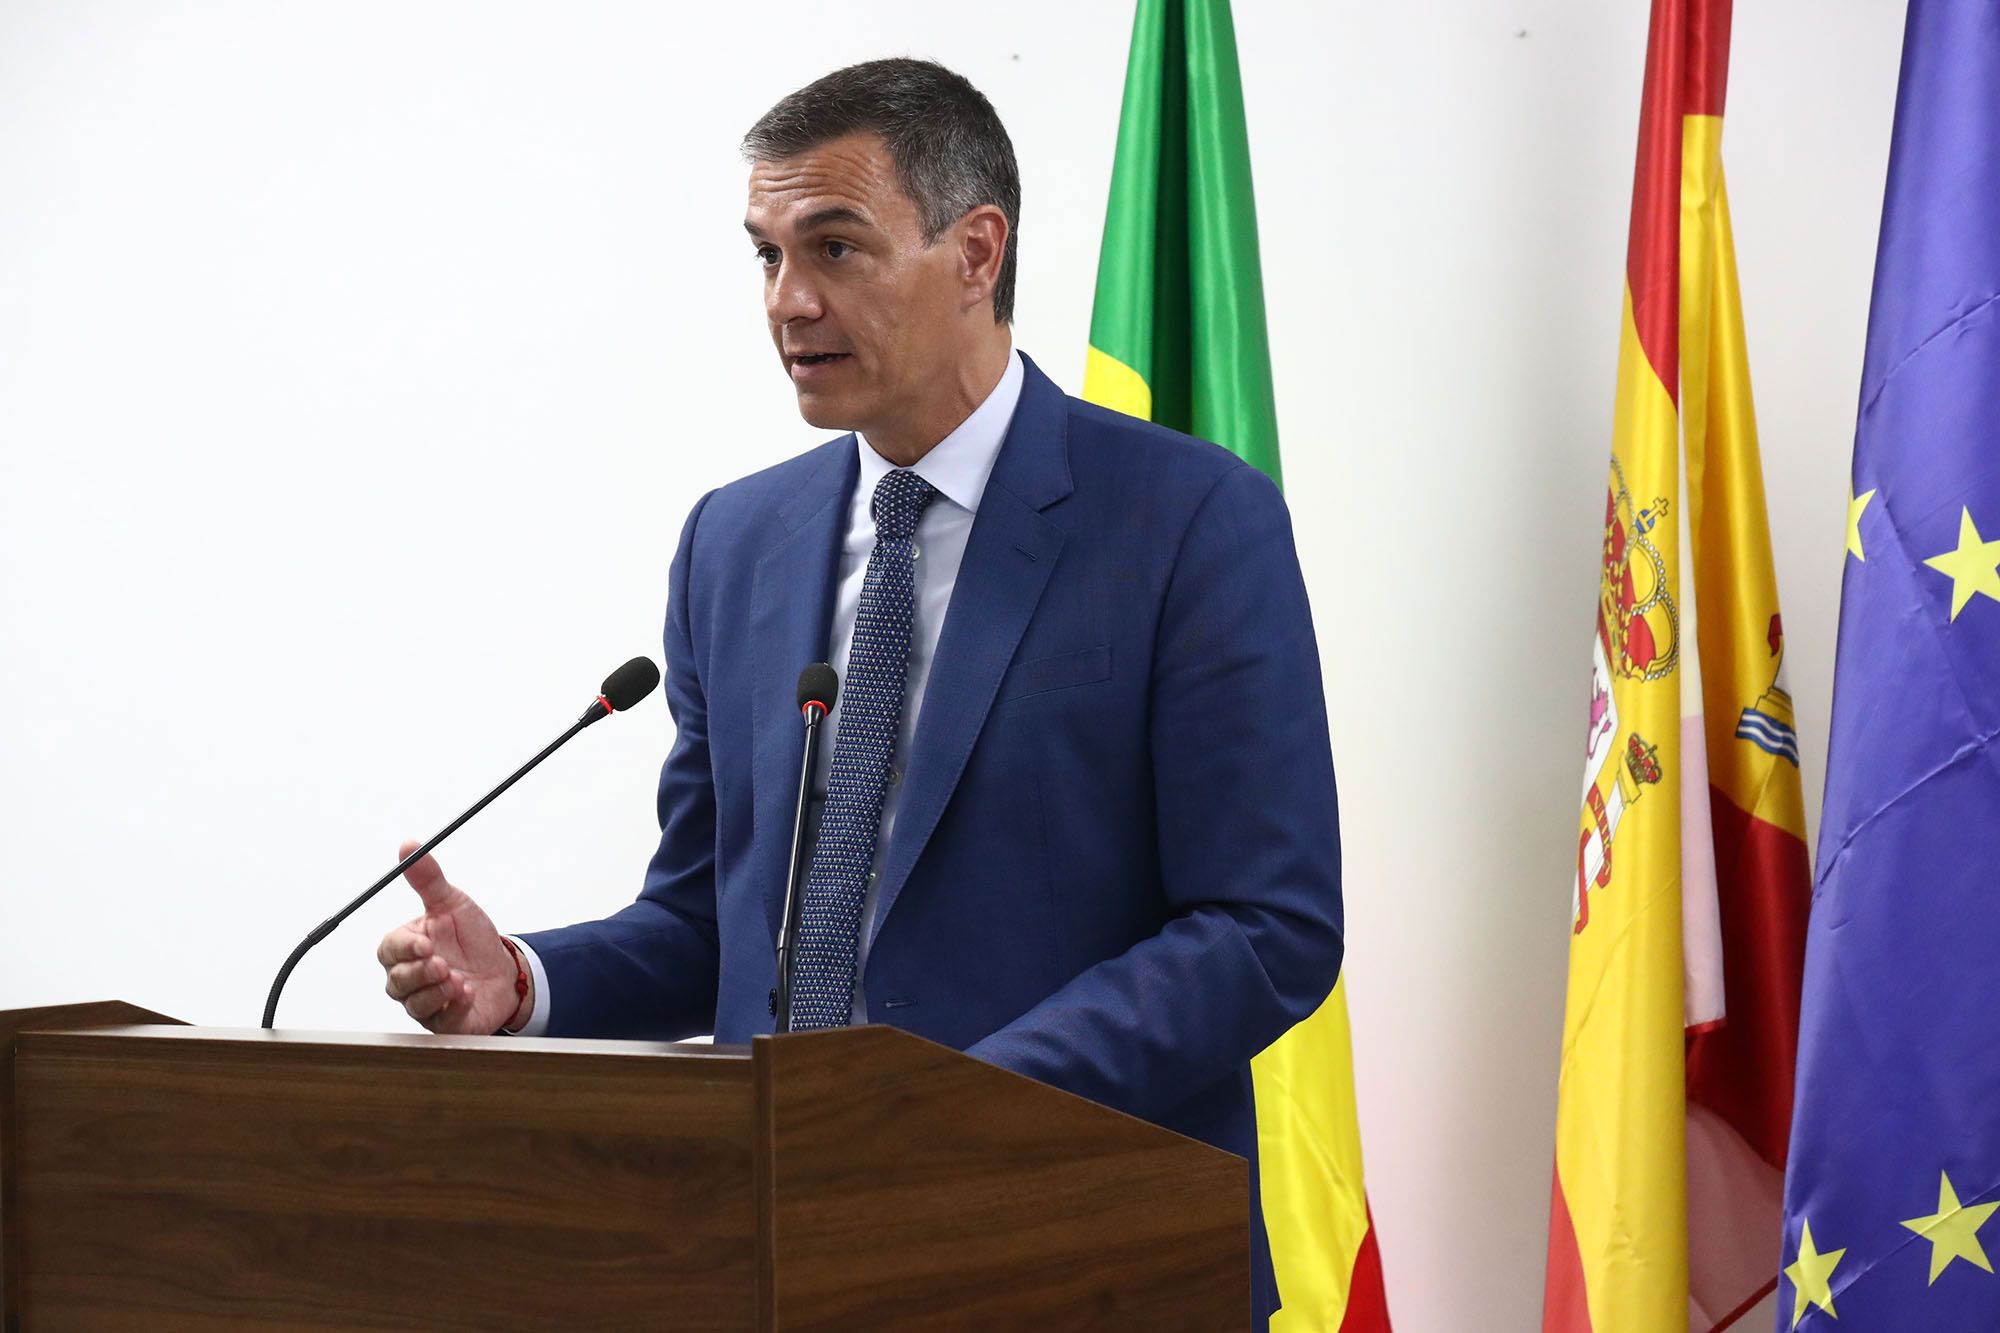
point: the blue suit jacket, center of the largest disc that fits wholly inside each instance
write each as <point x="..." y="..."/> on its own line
<point x="1116" y="863"/>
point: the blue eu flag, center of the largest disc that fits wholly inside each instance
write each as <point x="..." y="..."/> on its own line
<point x="1894" y="1176"/>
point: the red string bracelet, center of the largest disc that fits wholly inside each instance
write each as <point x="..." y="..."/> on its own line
<point x="520" y="969"/>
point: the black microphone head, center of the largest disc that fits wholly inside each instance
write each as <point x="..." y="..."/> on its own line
<point x="630" y="683"/>
<point x="818" y="684"/>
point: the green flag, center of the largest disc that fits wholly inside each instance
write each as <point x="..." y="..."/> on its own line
<point x="1177" y="336"/>
<point x="1177" y="329"/>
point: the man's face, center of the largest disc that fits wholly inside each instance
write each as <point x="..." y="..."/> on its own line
<point x="866" y="318"/>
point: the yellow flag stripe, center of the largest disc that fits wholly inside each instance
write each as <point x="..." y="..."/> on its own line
<point x="1620" y="1117"/>
<point x="1111" y="383"/>
<point x="1725" y="490"/>
<point x="1308" y="1128"/>
<point x="1309" y="1155"/>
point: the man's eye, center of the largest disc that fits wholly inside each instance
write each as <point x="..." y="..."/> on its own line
<point x="767" y="255"/>
<point x="836" y="249"/>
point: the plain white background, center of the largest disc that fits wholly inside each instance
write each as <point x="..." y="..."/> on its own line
<point x="359" y="362"/>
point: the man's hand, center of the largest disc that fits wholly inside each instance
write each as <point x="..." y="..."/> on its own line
<point x="449" y="967"/>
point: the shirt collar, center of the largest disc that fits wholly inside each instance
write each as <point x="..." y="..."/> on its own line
<point x="959" y="464"/>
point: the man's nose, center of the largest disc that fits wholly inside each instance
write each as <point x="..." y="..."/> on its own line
<point x="791" y="295"/>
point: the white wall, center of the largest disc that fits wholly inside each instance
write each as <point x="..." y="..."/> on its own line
<point x="358" y="363"/>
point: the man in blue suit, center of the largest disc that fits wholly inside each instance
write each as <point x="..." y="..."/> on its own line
<point x="1078" y="808"/>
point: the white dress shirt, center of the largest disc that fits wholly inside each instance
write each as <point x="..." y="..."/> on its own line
<point x="958" y="466"/>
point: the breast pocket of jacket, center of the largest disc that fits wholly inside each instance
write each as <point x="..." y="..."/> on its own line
<point x="1048" y="675"/>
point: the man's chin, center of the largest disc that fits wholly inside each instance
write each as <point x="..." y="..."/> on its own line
<point x="825" y="411"/>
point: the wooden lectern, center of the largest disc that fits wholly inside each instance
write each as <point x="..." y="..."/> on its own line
<point x="154" y="1175"/>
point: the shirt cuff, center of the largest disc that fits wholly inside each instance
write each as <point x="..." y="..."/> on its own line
<point x="538" y="1017"/>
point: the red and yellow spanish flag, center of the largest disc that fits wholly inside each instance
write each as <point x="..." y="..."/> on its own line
<point x="1690" y="881"/>
<point x="1177" y="335"/>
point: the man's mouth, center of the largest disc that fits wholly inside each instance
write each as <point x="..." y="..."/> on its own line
<point x="812" y="364"/>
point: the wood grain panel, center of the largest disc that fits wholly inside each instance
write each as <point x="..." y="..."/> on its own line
<point x="244" y="1180"/>
<point x="911" y="1188"/>
<point x="102" y="1013"/>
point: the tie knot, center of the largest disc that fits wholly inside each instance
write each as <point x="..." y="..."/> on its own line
<point x="900" y="499"/>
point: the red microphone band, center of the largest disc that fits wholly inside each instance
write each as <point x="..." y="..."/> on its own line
<point x="805" y="709"/>
<point x="607" y="704"/>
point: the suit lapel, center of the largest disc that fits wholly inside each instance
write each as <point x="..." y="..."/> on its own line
<point x="791" y="608"/>
<point x="1008" y="559"/>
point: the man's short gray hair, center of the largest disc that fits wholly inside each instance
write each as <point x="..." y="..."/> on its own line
<point x="950" y="151"/>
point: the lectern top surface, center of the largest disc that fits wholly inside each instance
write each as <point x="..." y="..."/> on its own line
<point x="425" y="1041"/>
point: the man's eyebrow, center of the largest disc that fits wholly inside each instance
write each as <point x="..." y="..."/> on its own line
<point x="825" y="217"/>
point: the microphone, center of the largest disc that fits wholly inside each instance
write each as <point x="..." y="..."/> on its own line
<point x="818" y="686"/>
<point x="621" y="690"/>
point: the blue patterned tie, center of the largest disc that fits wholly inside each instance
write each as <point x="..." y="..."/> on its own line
<point x="871" y="716"/>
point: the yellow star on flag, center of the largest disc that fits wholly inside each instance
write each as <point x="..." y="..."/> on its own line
<point x="1953" y="1230"/>
<point x="1811" y="1275"/>
<point x="1973" y="567"/>
<point x="1856" y="506"/>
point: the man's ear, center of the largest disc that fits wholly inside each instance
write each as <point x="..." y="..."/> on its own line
<point x="982" y="246"/>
